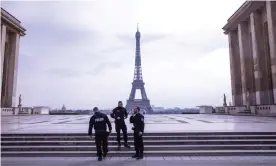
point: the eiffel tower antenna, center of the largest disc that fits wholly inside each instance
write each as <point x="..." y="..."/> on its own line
<point x="138" y="83"/>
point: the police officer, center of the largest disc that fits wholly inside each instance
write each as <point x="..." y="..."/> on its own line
<point x="120" y="114"/>
<point x="138" y="126"/>
<point x="99" y="121"/>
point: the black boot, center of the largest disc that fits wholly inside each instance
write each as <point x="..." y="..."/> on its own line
<point x="135" y="156"/>
<point x="126" y="145"/>
<point x="104" y="154"/>
<point x="119" y="146"/>
<point x="100" y="158"/>
<point x="140" y="156"/>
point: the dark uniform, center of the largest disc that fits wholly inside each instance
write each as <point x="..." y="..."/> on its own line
<point x="120" y="114"/>
<point x="138" y="127"/>
<point x="99" y="121"/>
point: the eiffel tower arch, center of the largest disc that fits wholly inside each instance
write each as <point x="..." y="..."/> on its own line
<point x="138" y="83"/>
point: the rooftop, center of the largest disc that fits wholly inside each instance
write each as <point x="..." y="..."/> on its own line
<point x="242" y="14"/>
<point x="10" y="20"/>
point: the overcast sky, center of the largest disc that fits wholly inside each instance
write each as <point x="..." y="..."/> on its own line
<point x="81" y="53"/>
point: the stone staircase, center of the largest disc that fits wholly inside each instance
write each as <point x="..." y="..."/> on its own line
<point x="156" y="144"/>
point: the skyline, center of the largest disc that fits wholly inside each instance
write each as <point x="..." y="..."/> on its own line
<point x="90" y="49"/>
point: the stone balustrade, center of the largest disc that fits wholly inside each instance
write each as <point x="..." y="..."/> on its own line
<point x="220" y="110"/>
<point x="26" y="110"/>
<point x="235" y="110"/>
<point x="205" y="109"/>
<point x="15" y="111"/>
<point x="7" y="111"/>
<point x="262" y="110"/>
<point x="265" y="110"/>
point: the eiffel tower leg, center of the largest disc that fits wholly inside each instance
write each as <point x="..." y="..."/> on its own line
<point x="143" y="93"/>
<point x="132" y="93"/>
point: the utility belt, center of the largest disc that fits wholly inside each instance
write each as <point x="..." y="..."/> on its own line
<point x="100" y="131"/>
<point x="119" y="118"/>
<point x="120" y="121"/>
<point x="136" y="130"/>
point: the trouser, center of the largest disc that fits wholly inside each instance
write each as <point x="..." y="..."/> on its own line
<point x="138" y="144"/>
<point x="121" y="126"/>
<point x="101" y="142"/>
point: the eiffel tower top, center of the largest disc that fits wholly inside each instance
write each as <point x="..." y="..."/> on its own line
<point x="138" y="68"/>
<point x="137" y="33"/>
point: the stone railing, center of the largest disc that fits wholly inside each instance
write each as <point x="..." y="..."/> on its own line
<point x="7" y="111"/>
<point x="262" y="110"/>
<point x="235" y="110"/>
<point x="265" y="110"/>
<point x="26" y="110"/>
<point x="220" y="110"/>
<point x="205" y="109"/>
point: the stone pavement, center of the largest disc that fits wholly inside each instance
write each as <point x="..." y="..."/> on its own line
<point x="150" y="161"/>
<point x="154" y="123"/>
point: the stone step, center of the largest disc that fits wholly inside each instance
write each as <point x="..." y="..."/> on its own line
<point x="146" y="142"/>
<point x="145" y="134"/>
<point x="147" y="153"/>
<point x="85" y="138"/>
<point x="147" y="148"/>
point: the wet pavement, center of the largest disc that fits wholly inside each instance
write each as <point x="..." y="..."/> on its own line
<point x="150" y="161"/>
<point x="154" y="123"/>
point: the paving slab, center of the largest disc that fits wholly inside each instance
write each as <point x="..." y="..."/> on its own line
<point x="91" y="161"/>
<point x="154" y="123"/>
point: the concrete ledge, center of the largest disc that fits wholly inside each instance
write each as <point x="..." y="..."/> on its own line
<point x="260" y="110"/>
<point x="146" y="153"/>
<point x="205" y="109"/>
<point x="7" y="111"/>
<point x="159" y="148"/>
<point x="147" y="161"/>
<point x="169" y="134"/>
<point x="155" y="145"/>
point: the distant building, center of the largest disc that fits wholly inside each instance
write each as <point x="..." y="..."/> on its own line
<point x="157" y="109"/>
<point x="63" y="108"/>
<point x="41" y="110"/>
<point x="205" y="109"/>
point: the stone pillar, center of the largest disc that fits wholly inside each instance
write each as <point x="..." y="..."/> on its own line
<point x="12" y="70"/>
<point x="248" y="81"/>
<point x="3" y="41"/>
<point x="235" y="68"/>
<point x="262" y="86"/>
<point x="271" y="23"/>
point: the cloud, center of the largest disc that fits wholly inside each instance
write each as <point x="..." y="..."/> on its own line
<point x="205" y="43"/>
<point x="57" y="34"/>
<point x="64" y="72"/>
<point x="129" y="39"/>
<point x="98" y="69"/>
<point x="153" y="37"/>
<point x="90" y="45"/>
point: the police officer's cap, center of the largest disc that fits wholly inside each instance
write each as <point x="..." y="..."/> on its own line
<point x="95" y="109"/>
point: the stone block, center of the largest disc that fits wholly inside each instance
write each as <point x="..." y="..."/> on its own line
<point x="205" y="109"/>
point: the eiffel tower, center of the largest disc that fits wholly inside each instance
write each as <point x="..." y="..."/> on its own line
<point x="138" y="83"/>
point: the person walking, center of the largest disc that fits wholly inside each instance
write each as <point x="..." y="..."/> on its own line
<point x="120" y="114"/>
<point x="138" y="127"/>
<point x="99" y="121"/>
